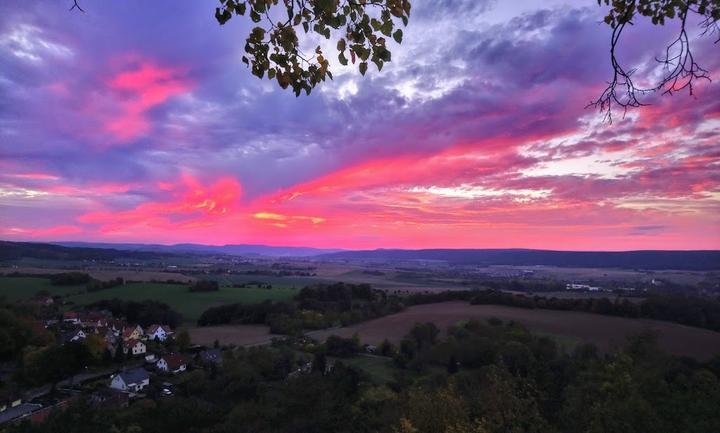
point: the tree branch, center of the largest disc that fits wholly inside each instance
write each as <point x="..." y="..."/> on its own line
<point x="77" y="6"/>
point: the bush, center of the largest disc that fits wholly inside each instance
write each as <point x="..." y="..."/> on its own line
<point x="69" y="279"/>
<point x="342" y="347"/>
<point x="144" y="313"/>
<point x="95" y="285"/>
<point x="205" y="286"/>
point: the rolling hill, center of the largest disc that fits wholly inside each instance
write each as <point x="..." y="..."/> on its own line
<point x="680" y="260"/>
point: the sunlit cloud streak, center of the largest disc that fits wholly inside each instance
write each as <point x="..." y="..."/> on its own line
<point x="117" y="126"/>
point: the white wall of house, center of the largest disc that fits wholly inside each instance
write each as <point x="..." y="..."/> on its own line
<point x="162" y="365"/>
<point x="117" y="383"/>
<point x="139" y="348"/>
<point x="159" y="334"/>
<point x="140" y="386"/>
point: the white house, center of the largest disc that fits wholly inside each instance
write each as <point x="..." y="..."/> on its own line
<point x="173" y="363"/>
<point x="134" y="380"/>
<point x="134" y="347"/>
<point x="158" y="332"/>
<point x="76" y="335"/>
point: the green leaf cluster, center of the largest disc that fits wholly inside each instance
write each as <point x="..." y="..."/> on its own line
<point x="361" y="28"/>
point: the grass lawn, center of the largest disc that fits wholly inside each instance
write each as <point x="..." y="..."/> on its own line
<point x="379" y="368"/>
<point x="15" y="289"/>
<point x="190" y="304"/>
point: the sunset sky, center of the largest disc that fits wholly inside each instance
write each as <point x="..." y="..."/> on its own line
<point x="137" y="122"/>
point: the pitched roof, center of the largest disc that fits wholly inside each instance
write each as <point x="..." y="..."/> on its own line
<point x="136" y="375"/>
<point x="153" y="328"/>
<point x="129" y="330"/>
<point x="22" y="409"/>
<point x="68" y="336"/>
<point x="174" y="360"/>
<point x="131" y="343"/>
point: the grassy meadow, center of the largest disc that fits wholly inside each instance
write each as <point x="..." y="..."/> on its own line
<point x="190" y="304"/>
<point x="16" y="289"/>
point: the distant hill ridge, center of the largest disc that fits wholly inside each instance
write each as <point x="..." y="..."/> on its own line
<point x="699" y="260"/>
<point x="18" y="250"/>
<point x="239" y="249"/>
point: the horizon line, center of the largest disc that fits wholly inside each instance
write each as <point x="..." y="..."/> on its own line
<point x="341" y="249"/>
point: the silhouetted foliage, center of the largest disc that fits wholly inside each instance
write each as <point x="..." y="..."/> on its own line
<point x="69" y="279"/>
<point x="360" y="30"/>
<point x="95" y="285"/>
<point x="144" y="313"/>
<point x="314" y="307"/>
<point x="481" y="378"/>
<point x="688" y="310"/>
<point x="205" y="286"/>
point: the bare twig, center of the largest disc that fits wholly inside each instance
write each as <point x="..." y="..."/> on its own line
<point x="681" y="71"/>
<point x="77" y="6"/>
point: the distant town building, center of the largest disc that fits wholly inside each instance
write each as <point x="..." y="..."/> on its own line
<point x="158" y="332"/>
<point x="134" y="380"/>
<point x="134" y="347"/>
<point x="72" y="317"/>
<point x="74" y="335"/>
<point x="173" y="363"/>
<point x="581" y="287"/>
<point x="133" y="332"/>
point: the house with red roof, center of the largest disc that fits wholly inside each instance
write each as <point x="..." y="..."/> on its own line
<point x="158" y="332"/>
<point x="173" y="363"/>
<point x="133" y="332"/>
<point x="134" y="347"/>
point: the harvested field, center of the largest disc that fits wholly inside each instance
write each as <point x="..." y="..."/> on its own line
<point x="606" y="332"/>
<point x="240" y="335"/>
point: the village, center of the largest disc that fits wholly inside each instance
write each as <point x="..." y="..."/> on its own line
<point x="139" y="363"/>
<point x="125" y="363"/>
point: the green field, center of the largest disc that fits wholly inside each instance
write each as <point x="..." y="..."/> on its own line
<point x="15" y="289"/>
<point x="379" y="368"/>
<point x="190" y="304"/>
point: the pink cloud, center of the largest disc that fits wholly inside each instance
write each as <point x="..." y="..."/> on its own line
<point x="139" y="89"/>
<point x="188" y="203"/>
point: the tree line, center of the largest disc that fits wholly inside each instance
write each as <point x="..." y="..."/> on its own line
<point x="685" y="309"/>
<point x="481" y="378"/>
<point x="314" y="307"/>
